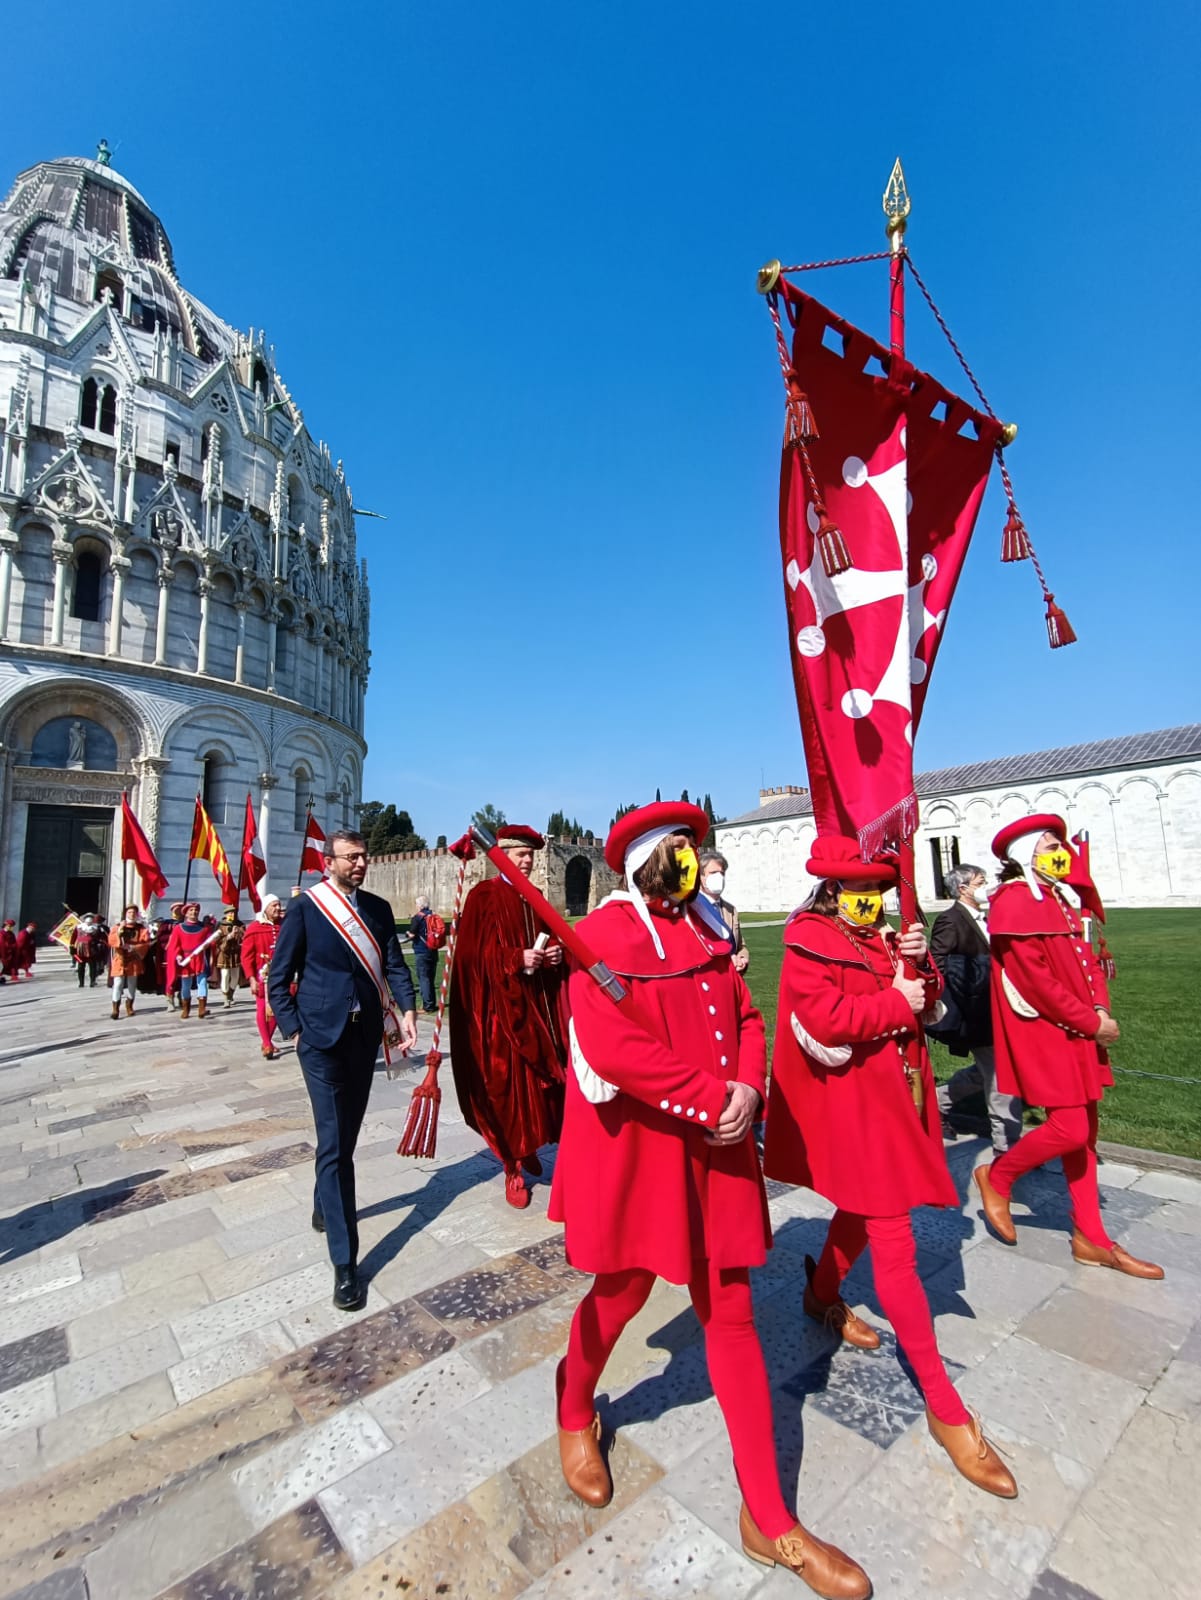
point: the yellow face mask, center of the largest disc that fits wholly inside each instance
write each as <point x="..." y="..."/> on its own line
<point x="689" y="869"/>
<point x="1053" y="863"/>
<point x="862" y="907"/>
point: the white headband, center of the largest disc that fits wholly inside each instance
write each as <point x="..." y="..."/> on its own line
<point x="637" y="855"/>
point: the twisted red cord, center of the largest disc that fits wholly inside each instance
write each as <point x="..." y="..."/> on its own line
<point x="790" y="378"/>
<point x="842" y="261"/>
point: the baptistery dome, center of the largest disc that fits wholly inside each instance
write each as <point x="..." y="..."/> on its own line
<point x="177" y="560"/>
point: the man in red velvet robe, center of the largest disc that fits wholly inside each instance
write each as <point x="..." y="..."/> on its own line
<point x="508" y="1029"/>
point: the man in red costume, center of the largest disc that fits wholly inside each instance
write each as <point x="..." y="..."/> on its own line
<point x="8" y="949"/>
<point x="658" y="1174"/>
<point x="853" y="1115"/>
<point x="508" y="1029"/>
<point x="257" y="949"/>
<point x="1051" y="1026"/>
<point x="27" y="947"/>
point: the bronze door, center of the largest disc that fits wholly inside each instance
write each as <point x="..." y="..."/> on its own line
<point x="67" y="851"/>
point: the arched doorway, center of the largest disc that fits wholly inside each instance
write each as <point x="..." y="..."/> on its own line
<point x="577" y="885"/>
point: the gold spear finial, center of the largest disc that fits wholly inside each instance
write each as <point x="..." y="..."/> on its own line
<point x="897" y="205"/>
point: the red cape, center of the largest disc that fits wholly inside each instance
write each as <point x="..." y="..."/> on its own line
<point x="508" y="1031"/>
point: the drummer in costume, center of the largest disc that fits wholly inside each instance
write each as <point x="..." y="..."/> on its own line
<point x="1051" y="1026"/>
<point x="508" y="1020"/>
<point x="657" y="1173"/>
<point x="851" y="1118"/>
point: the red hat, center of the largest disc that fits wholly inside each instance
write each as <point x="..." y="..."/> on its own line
<point x="664" y="816"/>
<point x="1040" y="822"/>
<point x="516" y="833"/>
<point x="832" y="855"/>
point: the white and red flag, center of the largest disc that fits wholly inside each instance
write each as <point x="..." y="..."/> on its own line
<point x="252" y="872"/>
<point x="898" y="465"/>
<point x="311" y="857"/>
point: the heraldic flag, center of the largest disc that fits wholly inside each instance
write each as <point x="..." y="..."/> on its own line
<point x="135" y="847"/>
<point x="311" y="857"/>
<point x="206" y="846"/>
<point x="898" y="466"/>
<point x="252" y="870"/>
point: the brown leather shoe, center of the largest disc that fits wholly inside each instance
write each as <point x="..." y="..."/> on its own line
<point x="822" y="1566"/>
<point x="1089" y="1254"/>
<point x="973" y="1456"/>
<point x="837" y="1316"/>
<point x="185" y="1007"/>
<point x="584" y="1469"/>
<point x="996" y="1206"/>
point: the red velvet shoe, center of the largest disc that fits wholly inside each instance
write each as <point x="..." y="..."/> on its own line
<point x="516" y="1192"/>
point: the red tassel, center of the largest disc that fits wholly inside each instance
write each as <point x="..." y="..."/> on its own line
<point x="1015" y="546"/>
<point x="1059" y="629"/>
<point x="1108" y="965"/>
<point x="832" y="548"/>
<point x="806" y="421"/>
<point x="420" y="1136"/>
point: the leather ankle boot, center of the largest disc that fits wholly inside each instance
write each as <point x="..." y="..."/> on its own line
<point x="1113" y="1256"/>
<point x="584" y="1470"/>
<point x="824" y="1567"/>
<point x="202" y="1006"/>
<point x="116" y="1011"/>
<point x="973" y="1456"/>
<point x="837" y="1315"/>
<point x="129" y="1008"/>
<point x="185" y="1008"/>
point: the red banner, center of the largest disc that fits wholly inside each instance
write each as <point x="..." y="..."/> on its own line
<point x="135" y="847"/>
<point x="252" y="870"/>
<point x="901" y="467"/>
<point x="311" y="856"/>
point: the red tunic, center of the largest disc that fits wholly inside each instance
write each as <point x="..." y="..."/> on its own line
<point x="508" y="1029"/>
<point x="1051" y="1059"/>
<point x="636" y="1182"/>
<point x="257" y="949"/>
<point x="27" y="948"/>
<point x="851" y="1132"/>
<point x="185" y="938"/>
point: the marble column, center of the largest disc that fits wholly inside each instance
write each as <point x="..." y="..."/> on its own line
<point x="272" y="645"/>
<point x="150" y="771"/>
<point x="121" y="565"/>
<point x="8" y="548"/>
<point x="61" y="555"/>
<point x="240" y="651"/>
<point x="165" y="576"/>
<point x="205" y="588"/>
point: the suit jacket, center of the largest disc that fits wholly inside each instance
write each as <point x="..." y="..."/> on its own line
<point x="960" y="950"/>
<point x="729" y="916"/>
<point x="331" y="981"/>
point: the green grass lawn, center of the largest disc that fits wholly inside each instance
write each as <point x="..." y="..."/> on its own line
<point x="1156" y="999"/>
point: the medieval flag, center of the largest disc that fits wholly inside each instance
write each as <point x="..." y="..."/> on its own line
<point x="63" y="932"/>
<point x="896" y="465"/>
<point x="206" y="846"/>
<point x="252" y="870"/>
<point x="311" y="857"/>
<point x="135" y="847"/>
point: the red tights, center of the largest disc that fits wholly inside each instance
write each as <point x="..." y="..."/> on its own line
<point x="722" y="1302"/>
<point x="1070" y="1132"/>
<point x="902" y="1298"/>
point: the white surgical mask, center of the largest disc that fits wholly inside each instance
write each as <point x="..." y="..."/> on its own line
<point x="714" y="884"/>
<point x="980" y="896"/>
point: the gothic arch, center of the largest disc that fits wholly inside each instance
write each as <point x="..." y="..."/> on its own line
<point x="26" y="712"/>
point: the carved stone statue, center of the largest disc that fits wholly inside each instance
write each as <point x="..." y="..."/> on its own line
<point x="76" y="745"/>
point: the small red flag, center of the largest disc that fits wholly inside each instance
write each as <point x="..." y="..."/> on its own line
<point x="312" y="859"/>
<point x="135" y="847"/>
<point x="252" y="872"/>
<point x="207" y="846"/>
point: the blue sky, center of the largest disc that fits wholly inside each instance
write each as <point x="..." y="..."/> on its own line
<point x="507" y="255"/>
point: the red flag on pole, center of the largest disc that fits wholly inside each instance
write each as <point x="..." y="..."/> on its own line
<point x="135" y="847"/>
<point x="252" y="870"/>
<point x="206" y="846"/>
<point x="899" y="466"/>
<point x="311" y="858"/>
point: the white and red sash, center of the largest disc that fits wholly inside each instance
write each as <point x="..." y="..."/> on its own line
<point x="342" y="916"/>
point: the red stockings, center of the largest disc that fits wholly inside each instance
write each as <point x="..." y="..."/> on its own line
<point x="902" y="1298"/>
<point x="722" y="1302"/>
<point x="1070" y="1132"/>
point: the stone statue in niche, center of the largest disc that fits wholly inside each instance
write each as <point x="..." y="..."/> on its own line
<point x="76" y="745"/>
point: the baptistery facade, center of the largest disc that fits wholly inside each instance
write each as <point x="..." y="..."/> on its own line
<point x="182" y="610"/>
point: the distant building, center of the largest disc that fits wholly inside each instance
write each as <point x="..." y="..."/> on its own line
<point x="1138" y="797"/>
<point x="181" y="608"/>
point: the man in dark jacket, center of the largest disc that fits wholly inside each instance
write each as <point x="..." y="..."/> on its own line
<point x="336" y="1018"/>
<point x="959" y="946"/>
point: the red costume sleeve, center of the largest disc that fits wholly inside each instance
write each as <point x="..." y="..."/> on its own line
<point x="251" y="961"/>
<point x="1024" y="962"/>
<point x="752" y="1043"/>
<point x="812" y="989"/>
<point x="627" y="1057"/>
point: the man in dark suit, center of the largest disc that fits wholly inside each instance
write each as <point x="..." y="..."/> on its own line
<point x="337" y="1021"/>
<point x="959" y="947"/>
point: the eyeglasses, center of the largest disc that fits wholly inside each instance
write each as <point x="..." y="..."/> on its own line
<point x="358" y="855"/>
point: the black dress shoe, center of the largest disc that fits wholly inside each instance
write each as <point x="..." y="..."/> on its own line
<point x="318" y="1222"/>
<point x="349" y="1293"/>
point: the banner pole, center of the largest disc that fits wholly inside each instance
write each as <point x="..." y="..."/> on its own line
<point x="304" y="843"/>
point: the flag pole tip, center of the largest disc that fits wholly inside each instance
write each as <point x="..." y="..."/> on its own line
<point x="1009" y="432"/>
<point x="769" y="276"/>
<point x="897" y="205"/>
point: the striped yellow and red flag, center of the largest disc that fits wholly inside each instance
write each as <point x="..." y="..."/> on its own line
<point x="206" y="846"/>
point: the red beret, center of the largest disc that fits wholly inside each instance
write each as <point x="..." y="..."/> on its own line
<point x="662" y="814"/>
<point x="832" y="855"/>
<point x="1040" y="822"/>
<point x="516" y="833"/>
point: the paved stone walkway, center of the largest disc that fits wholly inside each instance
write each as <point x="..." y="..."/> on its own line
<point x="183" y="1414"/>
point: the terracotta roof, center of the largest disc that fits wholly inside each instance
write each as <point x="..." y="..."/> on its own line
<point x="1100" y="755"/>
